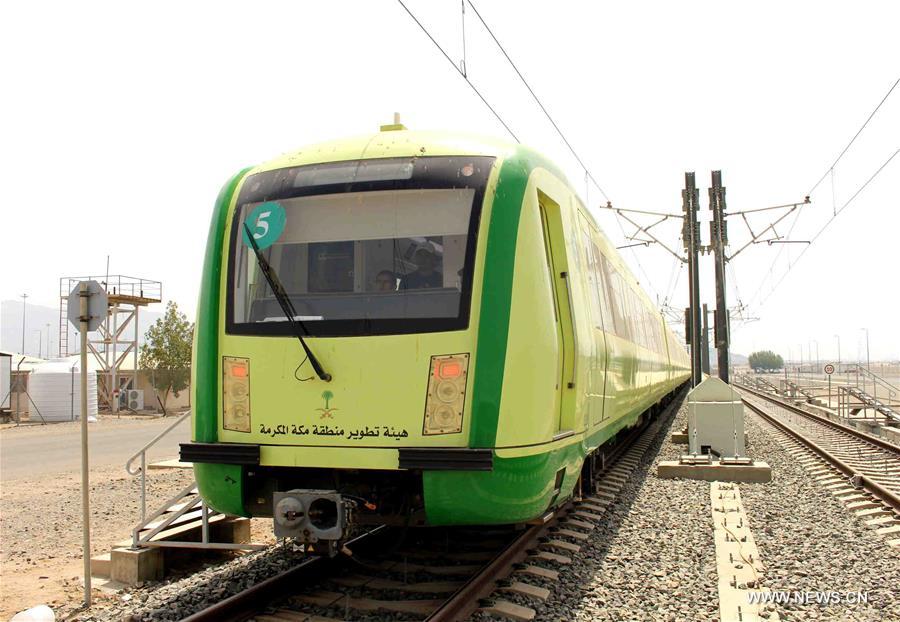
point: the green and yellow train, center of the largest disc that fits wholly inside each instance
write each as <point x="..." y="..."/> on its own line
<point x="413" y="328"/>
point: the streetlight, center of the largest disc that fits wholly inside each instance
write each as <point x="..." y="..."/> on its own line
<point x="40" y="335"/>
<point x="24" y="296"/>
<point x="48" y="338"/>
<point x="815" y="341"/>
<point x="838" y="337"/>
<point x="868" y="361"/>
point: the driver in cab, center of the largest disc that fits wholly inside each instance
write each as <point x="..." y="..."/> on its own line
<point x="425" y="276"/>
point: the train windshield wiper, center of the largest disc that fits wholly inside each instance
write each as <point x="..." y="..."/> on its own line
<point x="287" y="307"/>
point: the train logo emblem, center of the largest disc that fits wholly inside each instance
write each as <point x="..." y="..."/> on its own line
<point x="327" y="412"/>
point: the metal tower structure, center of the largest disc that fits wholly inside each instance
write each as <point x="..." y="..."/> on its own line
<point x="118" y="336"/>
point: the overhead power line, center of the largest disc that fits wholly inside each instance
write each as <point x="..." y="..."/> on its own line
<point x="829" y="170"/>
<point x="852" y="140"/>
<point x="539" y="102"/>
<point x="461" y="73"/>
<point x="562" y="135"/>
<point x="829" y="221"/>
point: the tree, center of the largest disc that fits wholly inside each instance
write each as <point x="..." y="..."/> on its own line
<point x="766" y="359"/>
<point x="167" y="352"/>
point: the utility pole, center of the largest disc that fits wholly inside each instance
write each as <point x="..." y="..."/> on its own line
<point x="690" y="197"/>
<point x="868" y="360"/>
<point x="24" y="296"/>
<point x="84" y="319"/>
<point x="87" y="306"/>
<point x="704" y="345"/>
<point x="718" y="230"/>
<point x="838" y="337"/>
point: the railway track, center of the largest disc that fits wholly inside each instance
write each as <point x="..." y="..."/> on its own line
<point x="440" y="574"/>
<point x="861" y="470"/>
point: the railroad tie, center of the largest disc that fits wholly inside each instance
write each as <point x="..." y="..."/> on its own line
<point x="282" y="615"/>
<point x="560" y="545"/>
<point x="538" y="571"/>
<point x="574" y="522"/>
<point x="568" y="533"/>
<point x="550" y="557"/>
<point x="504" y="608"/>
<point x="590" y="507"/>
<point x="587" y="515"/>
<point x="526" y="589"/>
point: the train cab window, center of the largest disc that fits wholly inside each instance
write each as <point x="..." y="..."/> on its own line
<point x="377" y="256"/>
<point x="330" y="267"/>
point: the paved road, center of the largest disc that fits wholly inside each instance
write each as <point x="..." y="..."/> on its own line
<point x="57" y="448"/>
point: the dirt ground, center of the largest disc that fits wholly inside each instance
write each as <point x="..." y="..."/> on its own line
<point x="40" y="532"/>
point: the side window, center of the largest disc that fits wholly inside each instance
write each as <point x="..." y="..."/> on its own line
<point x="592" y="277"/>
<point x="617" y="299"/>
<point x="638" y="313"/>
<point x="602" y="293"/>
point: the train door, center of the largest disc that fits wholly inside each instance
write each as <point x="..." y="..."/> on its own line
<point x="555" y="247"/>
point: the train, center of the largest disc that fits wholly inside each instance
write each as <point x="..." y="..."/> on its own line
<point x="414" y="328"/>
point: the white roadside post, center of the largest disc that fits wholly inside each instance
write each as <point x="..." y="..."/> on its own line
<point x="829" y="369"/>
<point x="87" y="306"/>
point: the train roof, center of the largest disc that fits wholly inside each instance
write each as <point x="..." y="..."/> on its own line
<point x="396" y="141"/>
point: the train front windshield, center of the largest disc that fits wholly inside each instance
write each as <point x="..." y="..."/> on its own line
<point x="365" y="247"/>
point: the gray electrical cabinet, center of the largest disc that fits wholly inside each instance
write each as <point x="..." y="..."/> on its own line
<point x="715" y="420"/>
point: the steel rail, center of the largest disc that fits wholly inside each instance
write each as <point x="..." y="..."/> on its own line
<point x="869" y="438"/>
<point x="874" y="488"/>
<point x="464" y="602"/>
<point x="245" y="604"/>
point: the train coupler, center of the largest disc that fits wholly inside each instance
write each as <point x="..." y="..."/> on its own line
<point x="320" y="519"/>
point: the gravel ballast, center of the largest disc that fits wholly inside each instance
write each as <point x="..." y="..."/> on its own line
<point x="653" y="555"/>
<point x="178" y="598"/>
<point x="653" y="558"/>
<point x="810" y="542"/>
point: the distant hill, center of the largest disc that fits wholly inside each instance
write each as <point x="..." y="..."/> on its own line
<point x="739" y="359"/>
<point x="37" y="317"/>
<point x="736" y="359"/>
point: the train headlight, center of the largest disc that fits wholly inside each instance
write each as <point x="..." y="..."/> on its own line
<point x="446" y="397"/>
<point x="236" y="393"/>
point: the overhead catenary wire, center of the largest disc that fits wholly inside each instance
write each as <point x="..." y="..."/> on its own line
<point x="830" y="220"/>
<point x="461" y="73"/>
<point x="828" y="171"/>
<point x="539" y="102"/>
<point x="637" y="261"/>
<point x="855" y="136"/>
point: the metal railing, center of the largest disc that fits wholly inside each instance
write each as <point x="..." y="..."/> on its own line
<point x="176" y="510"/>
<point x="876" y="381"/>
<point x="142" y="454"/>
<point x="116" y="285"/>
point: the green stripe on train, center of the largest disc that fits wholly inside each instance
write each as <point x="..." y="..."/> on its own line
<point x="496" y="291"/>
<point x="205" y="365"/>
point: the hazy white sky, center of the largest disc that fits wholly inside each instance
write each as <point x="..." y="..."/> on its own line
<point x="120" y="123"/>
